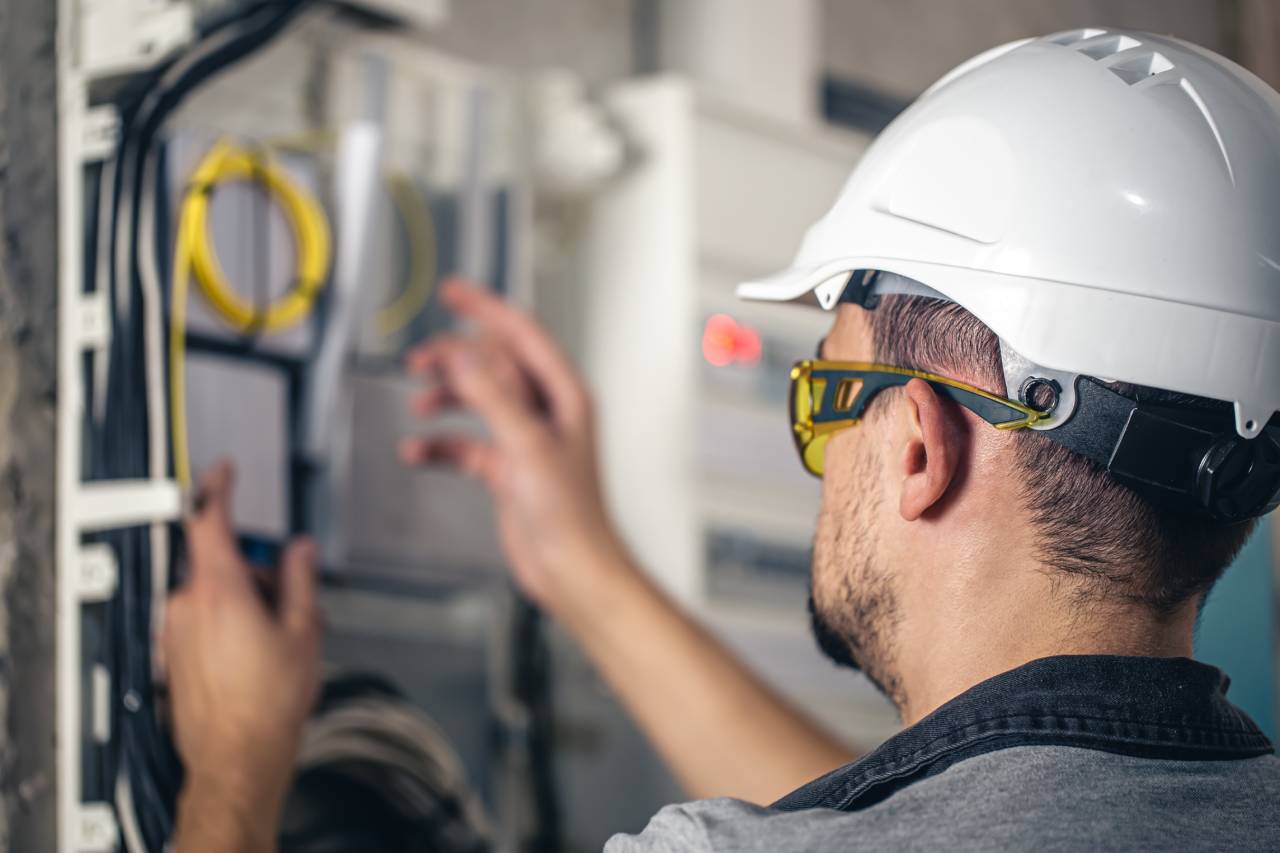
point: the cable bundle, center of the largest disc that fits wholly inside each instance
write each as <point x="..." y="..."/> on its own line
<point x="375" y="773"/>
<point x="128" y="438"/>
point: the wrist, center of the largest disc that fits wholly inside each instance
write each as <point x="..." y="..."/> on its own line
<point x="242" y="814"/>
<point x="601" y="578"/>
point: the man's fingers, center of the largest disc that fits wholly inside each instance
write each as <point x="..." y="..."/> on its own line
<point x="210" y="534"/>
<point x="433" y="400"/>
<point x="477" y="377"/>
<point x="425" y="358"/>
<point x="415" y="451"/>
<point x="432" y="359"/>
<point x="468" y="454"/>
<point x="506" y="372"/>
<point x="536" y="352"/>
<point x="298" y="587"/>
<point x="212" y="502"/>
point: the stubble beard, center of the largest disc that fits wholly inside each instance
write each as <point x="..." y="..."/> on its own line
<point x="853" y="604"/>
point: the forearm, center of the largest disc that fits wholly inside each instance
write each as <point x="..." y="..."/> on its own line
<point x="721" y="729"/>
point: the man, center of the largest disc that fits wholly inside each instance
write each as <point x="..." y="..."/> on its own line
<point x="1014" y="553"/>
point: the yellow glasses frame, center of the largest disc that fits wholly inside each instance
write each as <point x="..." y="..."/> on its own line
<point x="830" y="396"/>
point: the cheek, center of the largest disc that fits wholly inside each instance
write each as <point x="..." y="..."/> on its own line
<point x="842" y="488"/>
<point x="843" y="465"/>
<point x="852" y="492"/>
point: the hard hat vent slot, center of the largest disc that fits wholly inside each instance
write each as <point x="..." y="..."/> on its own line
<point x="1075" y="36"/>
<point x="1140" y="67"/>
<point x="1110" y="46"/>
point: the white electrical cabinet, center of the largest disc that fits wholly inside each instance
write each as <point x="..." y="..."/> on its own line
<point x="697" y="452"/>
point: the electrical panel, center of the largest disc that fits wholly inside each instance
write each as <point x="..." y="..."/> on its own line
<point x="258" y="201"/>
<point x="448" y="197"/>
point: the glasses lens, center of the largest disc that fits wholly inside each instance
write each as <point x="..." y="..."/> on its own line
<point x="814" y="454"/>
<point x="809" y="446"/>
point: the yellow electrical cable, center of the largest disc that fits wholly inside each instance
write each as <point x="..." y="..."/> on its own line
<point x="194" y="254"/>
<point x="177" y="343"/>
<point x="420" y="234"/>
<point x="306" y="220"/>
<point x="415" y="215"/>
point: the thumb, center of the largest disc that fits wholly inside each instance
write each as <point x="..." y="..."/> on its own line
<point x="298" y="586"/>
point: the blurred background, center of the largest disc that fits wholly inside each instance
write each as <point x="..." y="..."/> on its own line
<point x="617" y="166"/>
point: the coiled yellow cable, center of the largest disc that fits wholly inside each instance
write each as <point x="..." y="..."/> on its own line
<point x="306" y="219"/>
<point x="194" y="254"/>
<point x="420" y="235"/>
<point x="414" y="212"/>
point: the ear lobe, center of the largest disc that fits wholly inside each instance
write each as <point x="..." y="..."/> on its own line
<point x="932" y="454"/>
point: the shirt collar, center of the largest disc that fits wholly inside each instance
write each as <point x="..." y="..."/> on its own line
<point x="1163" y="708"/>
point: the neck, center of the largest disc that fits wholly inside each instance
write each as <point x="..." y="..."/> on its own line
<point x="993" y="618"/>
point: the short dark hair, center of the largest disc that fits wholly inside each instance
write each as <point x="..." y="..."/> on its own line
<point x="1092" y="527"/>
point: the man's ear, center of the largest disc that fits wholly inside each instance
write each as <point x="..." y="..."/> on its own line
<point x="934" y="448"/>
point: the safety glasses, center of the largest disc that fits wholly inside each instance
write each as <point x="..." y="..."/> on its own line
<point x="828" y="396"/>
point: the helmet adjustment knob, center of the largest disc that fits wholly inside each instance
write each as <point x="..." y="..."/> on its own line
<point x="1238" y="477"/>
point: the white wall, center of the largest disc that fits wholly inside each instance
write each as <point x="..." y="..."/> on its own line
<point x="761" y="56"/>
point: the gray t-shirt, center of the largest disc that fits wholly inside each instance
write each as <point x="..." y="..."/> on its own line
<point x="1024" y="798"/>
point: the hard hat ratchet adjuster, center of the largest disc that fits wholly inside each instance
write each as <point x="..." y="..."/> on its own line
<point x="1185" y="458"/>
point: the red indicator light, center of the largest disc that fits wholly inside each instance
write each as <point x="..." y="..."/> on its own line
<point x="725" y="342"/>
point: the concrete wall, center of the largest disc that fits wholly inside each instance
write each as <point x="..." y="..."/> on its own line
<point x="27" y="368"/>
<point x="1258" y="25"/>
<point x="901" y="46"/>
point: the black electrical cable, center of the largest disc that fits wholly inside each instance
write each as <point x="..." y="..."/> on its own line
<point x="531" y="656"/>
<point x="375" y="773"/>
<point x="119" y="444"/>
<point x="120" y="452"/>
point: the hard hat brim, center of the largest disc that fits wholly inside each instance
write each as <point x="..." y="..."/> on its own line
<point x="790" y="285"/>
<point x="1105" y="346"/>
<point x="818" y="285"/>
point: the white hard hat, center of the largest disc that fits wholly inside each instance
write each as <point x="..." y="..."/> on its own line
<point x="1107" y="202"/>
